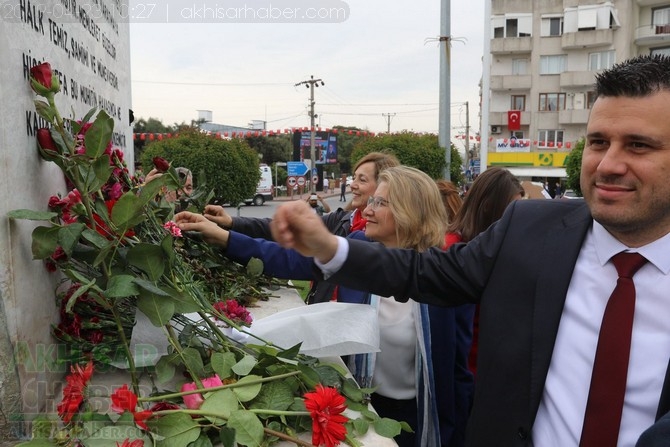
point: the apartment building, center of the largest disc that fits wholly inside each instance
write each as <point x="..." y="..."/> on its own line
<point x="543" y="56"/>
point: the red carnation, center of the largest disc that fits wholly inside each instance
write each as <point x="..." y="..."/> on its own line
<point x="325" y="406"/>
<point x="128" y="443"/>
<point x="162" y="165"/>
<point x="125" y="400"/>
<point x="73" y="393"/>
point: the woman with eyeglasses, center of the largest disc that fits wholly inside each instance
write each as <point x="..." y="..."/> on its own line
<point x="340" y="222"/>
<point x="403" y="370"/>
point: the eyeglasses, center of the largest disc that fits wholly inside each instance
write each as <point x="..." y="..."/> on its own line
<point x="376" y="202"/>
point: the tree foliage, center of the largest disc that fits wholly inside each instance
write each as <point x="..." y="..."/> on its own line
<point x="573" y="167"/>
<point x="272" y="148"/>
<point x="420" y="151"/>
<point x="229" y="167"/>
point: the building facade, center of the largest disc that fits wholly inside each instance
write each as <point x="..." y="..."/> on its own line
<point x="542" y="60"/>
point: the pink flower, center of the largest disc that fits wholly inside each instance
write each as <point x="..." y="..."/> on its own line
<point x="173" y="229"/>
<point x="193" y="401"/>
<point x="115" y="191"/>
<point x="234" y="311"/>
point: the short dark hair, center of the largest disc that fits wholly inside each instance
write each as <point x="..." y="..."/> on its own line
<point x="635" y="77"/>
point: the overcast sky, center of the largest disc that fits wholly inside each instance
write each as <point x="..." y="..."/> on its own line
<point x="383" y="59"/>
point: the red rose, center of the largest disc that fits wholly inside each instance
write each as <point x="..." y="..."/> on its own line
<point x="42" y="80"/>
<point x="45" y="141"/>
<point x="162" y="165"/>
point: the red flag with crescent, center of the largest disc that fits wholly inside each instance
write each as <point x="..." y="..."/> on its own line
<point x="514" y="119"/>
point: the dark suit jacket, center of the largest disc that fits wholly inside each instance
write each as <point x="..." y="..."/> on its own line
<point x="519" y="269"/>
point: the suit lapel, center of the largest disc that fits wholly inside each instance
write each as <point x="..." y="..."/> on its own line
<point x="561" y="249"/>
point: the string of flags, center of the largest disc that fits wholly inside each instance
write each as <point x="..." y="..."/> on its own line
<point x="253" y="133"/>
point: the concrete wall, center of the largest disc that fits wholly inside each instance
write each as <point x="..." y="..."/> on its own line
<point x="87" y="43"/>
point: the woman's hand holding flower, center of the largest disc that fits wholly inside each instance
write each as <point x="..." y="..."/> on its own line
<point x="210" y="231"/>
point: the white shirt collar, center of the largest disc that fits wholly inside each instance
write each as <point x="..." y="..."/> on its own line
<point x="606" y="246"/>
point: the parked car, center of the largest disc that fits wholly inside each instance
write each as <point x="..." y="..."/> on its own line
<point x="570" y="194"/>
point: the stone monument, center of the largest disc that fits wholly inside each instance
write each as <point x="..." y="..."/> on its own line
<point x="87" y="44"/>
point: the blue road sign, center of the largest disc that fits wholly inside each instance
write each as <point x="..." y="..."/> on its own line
<point x="296" y="168"/>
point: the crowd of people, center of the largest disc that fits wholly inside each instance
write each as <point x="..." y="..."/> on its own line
<point x="496" y="321"/>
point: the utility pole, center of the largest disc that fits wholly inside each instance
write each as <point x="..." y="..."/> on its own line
<point x="388" y="121"/>
<point x="445" y="86"/>
<point x="467" y="135"/>
<point x="310" y="84"/>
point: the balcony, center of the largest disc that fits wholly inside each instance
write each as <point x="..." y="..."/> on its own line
<point x="587" y="39"/>
<point x="510" y="82"/>
<point x="577" y="79"/>
<point x="576" y="116"/>
<point x="500" y="118"/>
<point x="511" y="45"/>
<point x="643" y="3"/>
<point x="652" y="35"/>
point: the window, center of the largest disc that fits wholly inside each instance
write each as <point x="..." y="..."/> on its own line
<point x="551" y="26"/>
<point x="663" y="51"/>
<point x="552" y="64"/>
<point x="518" y="102"/>
<point x="519" y="66"/>
<point x="601" y="60"/>
<point x="551" y="102"/>
<point x="590" y="99"/>
<point x="661" y="16"/>
<point x="587" y="19"/>
<point x="517" y="134"/>
<point x="549" y="138"/>
<point x="517" y="25"/>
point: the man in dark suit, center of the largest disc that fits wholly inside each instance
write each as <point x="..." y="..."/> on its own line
<point x="543" y="275"/>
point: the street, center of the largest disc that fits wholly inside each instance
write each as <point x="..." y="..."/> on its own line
<point x="268" y="209"/>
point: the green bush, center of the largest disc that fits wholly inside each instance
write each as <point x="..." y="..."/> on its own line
<point x="229" y="167"/>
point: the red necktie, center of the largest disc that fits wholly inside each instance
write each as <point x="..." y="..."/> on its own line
<point x="608" y="380"/>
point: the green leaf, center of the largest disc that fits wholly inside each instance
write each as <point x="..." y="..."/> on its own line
<point x="328" y="376"/>
<point x="150" y="190"/>
<point x="94" y="173"/>
<point x="227" y="437"/>
<point x="44" y="242"/>
<point x="148" y="258"/>
<point x="127" y="211"/>
<point x="31" y="215"/>
<point x="274" y="396"/>
<point x="351" y="390"/>
<point x="244" y="366"/>
<point x="222" y="363"/>
<point x="157" y="309"/>
<point x="248" y="428"/>
<point x="177" y="430"/>
<point x="361" y="426"/>
<point x="95" y="238"/>
<point x="255" y="267"/>
<point x="386" y="427"/>
<point x="151" y="287"/>
<point x="121" y="286"/>
<point x="202" y="441"/>
<point x="222" y="402"/>
<point x="42" y="427"/>
<point x="194" y="361"/>
<point x="38" y="443"/>
<point x="98" y="135"/>
<point x="168" y="248"/>
<point x="248" y="392"/>
<point x="165" y="369"/>
<point x="44" y="110"/>
<point x="69" y="235"/>
<point x="184" y="302"/>
<point x="83" y="288"/>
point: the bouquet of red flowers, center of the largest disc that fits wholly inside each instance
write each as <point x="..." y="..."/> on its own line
<point x="118" y="252"/>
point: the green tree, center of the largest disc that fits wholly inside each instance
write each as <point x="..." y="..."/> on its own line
<point x="420" y="151"/>
<point x="573" y="167"/>
<point x="273" y="148"/>
<point x="229" y="167"/>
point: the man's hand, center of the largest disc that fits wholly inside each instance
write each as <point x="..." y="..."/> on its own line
<point x="210" y="231"/>
<point x="151" y="175"/>
<point x="218" y="215"/>
<point x="295" y="225"/>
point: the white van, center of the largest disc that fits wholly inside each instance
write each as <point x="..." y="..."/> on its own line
<point x="264" y="188"/>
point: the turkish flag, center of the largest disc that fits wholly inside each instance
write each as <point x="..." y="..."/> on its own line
<point x="514" y="119"/>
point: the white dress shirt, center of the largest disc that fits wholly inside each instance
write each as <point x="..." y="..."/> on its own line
<point x="560" y="416"/>
<point x="561" y="413"/>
